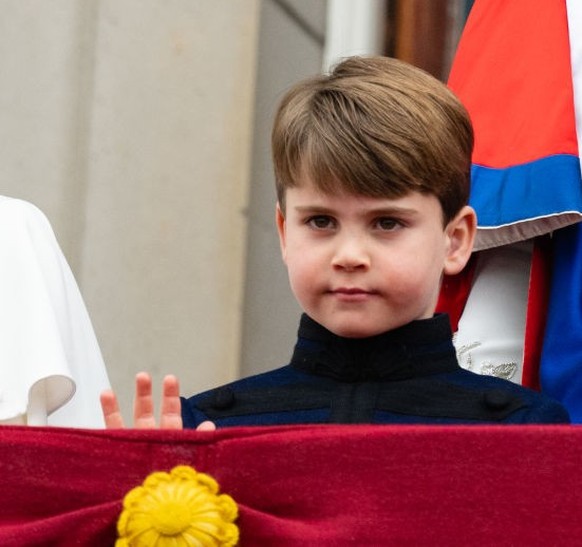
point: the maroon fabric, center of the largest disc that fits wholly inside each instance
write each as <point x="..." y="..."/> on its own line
<point x="455" y="291"/>
<point x="537" y="310"/>
<point x="307" y="485"/>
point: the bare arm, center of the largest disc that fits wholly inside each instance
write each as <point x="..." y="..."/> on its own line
<point x="143" y="406"/>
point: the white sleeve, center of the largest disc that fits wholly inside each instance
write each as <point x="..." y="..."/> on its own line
<point x="51" y="368"/>
<point x="490" y="339"/>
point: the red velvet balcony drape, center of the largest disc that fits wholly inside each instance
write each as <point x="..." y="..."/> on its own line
<point x="311" y="485"/>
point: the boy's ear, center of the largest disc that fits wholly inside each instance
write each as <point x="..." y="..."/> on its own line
<point x="461" y="235"/>
<point x="280" y="220"/>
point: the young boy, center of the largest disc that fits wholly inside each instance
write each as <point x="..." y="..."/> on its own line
<point x="372" y="167"/>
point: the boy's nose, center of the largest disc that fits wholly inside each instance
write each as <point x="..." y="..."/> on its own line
<point x="350" y="254"/>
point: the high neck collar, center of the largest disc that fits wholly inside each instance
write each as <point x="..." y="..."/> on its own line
<point x="417" y="349"/>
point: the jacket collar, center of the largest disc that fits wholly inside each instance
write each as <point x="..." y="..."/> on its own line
<point x="419" y="348"/>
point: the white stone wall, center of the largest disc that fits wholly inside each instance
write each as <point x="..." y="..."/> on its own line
<point x="129" y="123"/>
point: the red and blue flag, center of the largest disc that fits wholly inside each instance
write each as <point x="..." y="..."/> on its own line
<point x="518" y="70"/>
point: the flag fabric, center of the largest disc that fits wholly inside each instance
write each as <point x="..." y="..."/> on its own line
<point x="305" y="485"/>
<point x="518" y="70"/>
<point x="561" y="359"/>
<point x="514" y="72"/>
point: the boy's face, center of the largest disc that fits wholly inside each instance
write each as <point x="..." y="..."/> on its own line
<point x="361" y="266"/>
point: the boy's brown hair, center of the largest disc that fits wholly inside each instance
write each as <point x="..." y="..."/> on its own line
<point x="377" y="127"/>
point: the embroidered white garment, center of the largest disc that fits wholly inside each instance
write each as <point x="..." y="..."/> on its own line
<point x="51" y="368"/>
<point x="490" y="339"/>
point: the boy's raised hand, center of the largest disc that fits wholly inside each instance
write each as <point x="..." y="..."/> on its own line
<point x="143" y="406"/>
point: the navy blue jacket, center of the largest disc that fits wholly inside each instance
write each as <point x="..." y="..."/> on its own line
<point x="406" y="376"/>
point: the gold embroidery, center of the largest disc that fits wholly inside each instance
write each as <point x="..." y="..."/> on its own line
<point x="464" y="354"/>
<point x="503" y="370"/>
<point x="465" y="358"/>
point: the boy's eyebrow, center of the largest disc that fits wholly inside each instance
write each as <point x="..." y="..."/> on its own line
<point x="380" y="211"/>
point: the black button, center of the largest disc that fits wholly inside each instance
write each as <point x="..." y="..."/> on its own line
<point x="496" y="399"/>
<point x="223" y="399"/>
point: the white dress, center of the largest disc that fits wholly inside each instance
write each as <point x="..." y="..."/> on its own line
<point x="51" y="368"/>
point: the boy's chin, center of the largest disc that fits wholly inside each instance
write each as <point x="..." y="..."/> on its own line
<point x="356" y="330"/>
<point x="362" y="323"/>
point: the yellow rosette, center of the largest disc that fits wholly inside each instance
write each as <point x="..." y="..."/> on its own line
<point x="181" y="508"/>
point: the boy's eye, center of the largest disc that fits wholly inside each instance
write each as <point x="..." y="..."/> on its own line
<point x="387" y="224"/>
<point x="320" y="222"/>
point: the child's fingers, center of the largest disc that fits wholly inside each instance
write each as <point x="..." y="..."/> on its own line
<point x="143" y="405"/>
<point x="206" y="426"/>
<point x="171" y="416"/>
<point x="110" y="408"/>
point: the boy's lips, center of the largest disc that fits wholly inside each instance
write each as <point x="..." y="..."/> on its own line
<point x="352" y="293"/>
